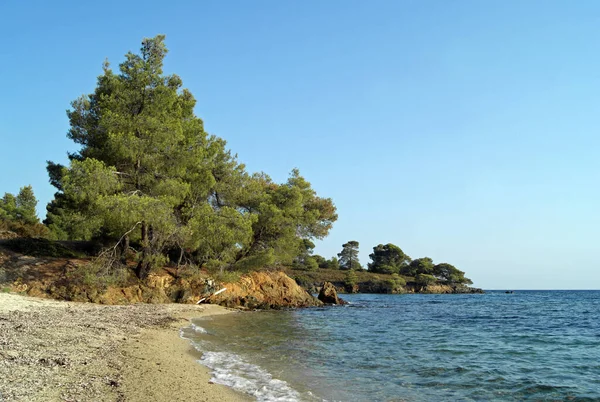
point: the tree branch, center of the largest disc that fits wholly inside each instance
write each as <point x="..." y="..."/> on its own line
<point x="114" y="248"/>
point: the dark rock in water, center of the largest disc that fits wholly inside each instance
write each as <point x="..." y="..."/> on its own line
<point x="328" y="294"/>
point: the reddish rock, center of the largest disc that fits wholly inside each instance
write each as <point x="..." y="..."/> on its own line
<point x="265" y="290"/>
<point x="328" y="294"/>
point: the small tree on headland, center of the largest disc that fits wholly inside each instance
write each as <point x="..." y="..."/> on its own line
<point x="348" y="257"/>
<point x="388" y="259"/>
<point x="448" y="273"/>
<point x="350" y="281"/>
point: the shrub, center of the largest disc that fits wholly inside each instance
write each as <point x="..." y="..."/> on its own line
<point x="255" y="262"/>
<point x="350" y="280"/>
<point x="303" y="280"/>
<point x="389" y="285"/>
<point x="311" y="264"/>
<point x="400" y="281"/>
<point x="97" y="275"/>
<point x="227" y="276"/>
<point x="188" y="271"/>
<point x="424" y="279"/>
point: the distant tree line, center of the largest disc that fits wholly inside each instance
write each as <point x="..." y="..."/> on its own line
<point x="385" y="259"/>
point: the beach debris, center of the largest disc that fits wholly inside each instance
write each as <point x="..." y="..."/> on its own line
<point x="205" y="299"/>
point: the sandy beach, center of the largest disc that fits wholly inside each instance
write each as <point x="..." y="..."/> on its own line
<point x="64" y="351"/>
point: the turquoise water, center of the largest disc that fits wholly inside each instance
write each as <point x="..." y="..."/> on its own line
<point x="530" y="345"/>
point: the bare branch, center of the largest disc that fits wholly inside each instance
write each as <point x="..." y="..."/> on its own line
<point x="113" y="249"/>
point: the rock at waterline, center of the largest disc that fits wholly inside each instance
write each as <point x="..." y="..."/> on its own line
<point x="328" y="294"/>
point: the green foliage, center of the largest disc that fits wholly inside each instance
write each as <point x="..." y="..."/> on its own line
<point x="148" y="173"/>
<point x="389" y="285"/>
<point x="425" y="279"/>
<point x="423" y="270"/>
<point x="8" y="207"/>
<point x="332" y="263"/>
<point x="256" y="261"/>
<point x="97" y="275"/>
<point x="320" y="260"/>
<point x="66" y="221"/>
<point x="25" y="206"/>
<point x="17" y="214"/>
<point x="399" y="281"/>
<point x="388" y="259"/>
<point x="418" y="266"/>
<point x="305" y="260"/>
<point x="190" y="271"/>
<point x="449" y="274"/>
<point x="288" y="214"/>
<point x="350" y="280"/>
<point x="217" y="234"/>
<point x="392" y="284"/>
<point x="349" y="256"/>
<point x="302" y="280"/>
<point x="311" y="264"/>
<point x="89" y="179"/>
<point x="226" y="276"/>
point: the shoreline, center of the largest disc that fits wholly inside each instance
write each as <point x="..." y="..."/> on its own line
<point x="54" y="350"/>
<point x="168" y="366"/>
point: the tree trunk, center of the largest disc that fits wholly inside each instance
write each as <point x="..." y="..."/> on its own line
<point x="143" y="267"/>
<point x="180" y="257"/>
<point x="124" y="247"/>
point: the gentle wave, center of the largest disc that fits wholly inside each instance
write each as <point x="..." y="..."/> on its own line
<point x="231" y="370"/>
<point x="198" y="329"/>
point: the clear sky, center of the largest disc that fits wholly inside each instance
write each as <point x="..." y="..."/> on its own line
<point x="466" y="131"/>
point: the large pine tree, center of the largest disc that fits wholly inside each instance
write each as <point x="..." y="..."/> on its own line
<point x="147" y="172"/>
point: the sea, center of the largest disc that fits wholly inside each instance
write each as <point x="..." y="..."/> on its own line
<point x="497" y="346"/>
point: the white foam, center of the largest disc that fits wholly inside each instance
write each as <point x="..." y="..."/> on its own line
<point x="231" y="370"/>
<point x="198" y="329"/>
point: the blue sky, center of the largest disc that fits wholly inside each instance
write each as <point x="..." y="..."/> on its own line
<point x="461" y="130"/>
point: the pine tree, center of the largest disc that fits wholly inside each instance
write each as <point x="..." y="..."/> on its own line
<point x="388" y="259"/>
<point x="348" y="257"/>
<point x="148" y="173"/>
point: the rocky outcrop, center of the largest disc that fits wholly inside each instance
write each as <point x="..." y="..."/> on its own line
<point x="378" y="285"/>
<point x="443" y="289"/>
<point x="328" y="294"/>
<point x="265" y="290"/>
<point x="68" y="279"/>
